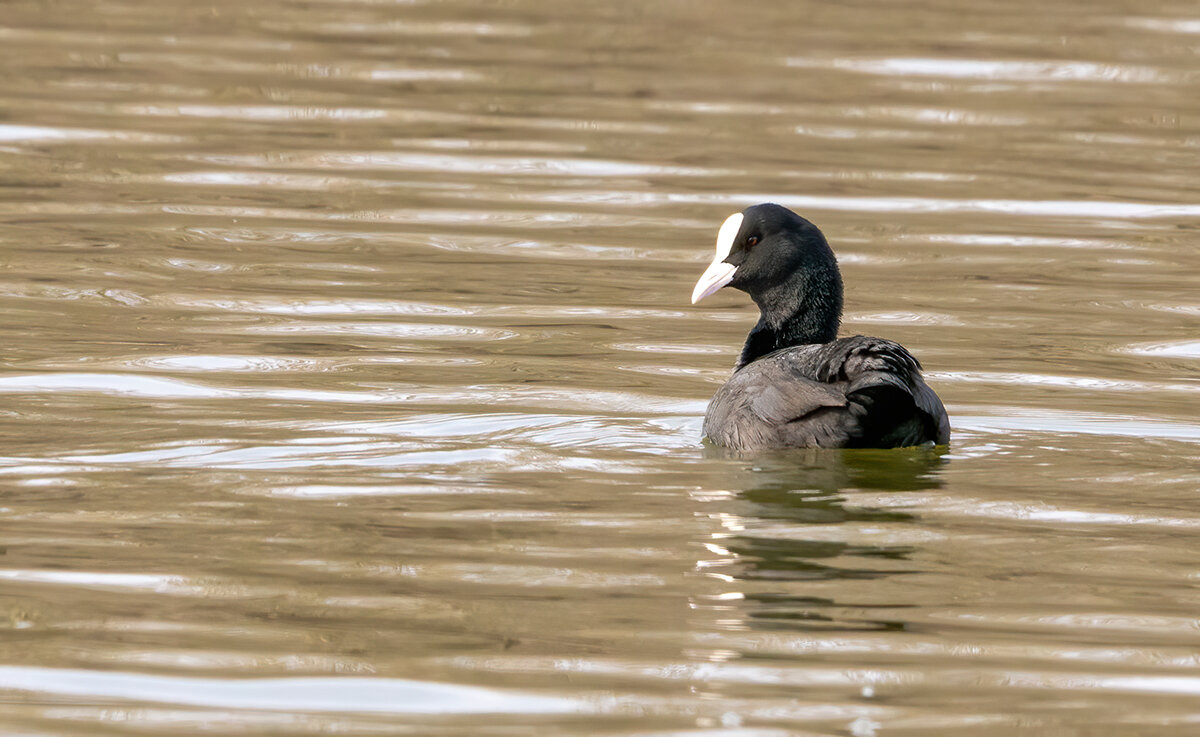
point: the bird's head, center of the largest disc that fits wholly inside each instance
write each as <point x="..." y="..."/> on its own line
<point x="762" y="248"/>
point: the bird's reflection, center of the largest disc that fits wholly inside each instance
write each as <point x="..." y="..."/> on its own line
<point x="799" y="533"/>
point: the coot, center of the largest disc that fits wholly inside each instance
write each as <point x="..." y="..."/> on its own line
<point x="796" y="383"/>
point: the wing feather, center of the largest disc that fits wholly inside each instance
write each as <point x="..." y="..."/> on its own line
<point x="851" y="392"/>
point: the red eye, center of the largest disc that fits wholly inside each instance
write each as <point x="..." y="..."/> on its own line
<point x="752" y="241"/>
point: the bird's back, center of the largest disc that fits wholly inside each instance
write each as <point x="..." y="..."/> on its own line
<point x="851" y="392"/>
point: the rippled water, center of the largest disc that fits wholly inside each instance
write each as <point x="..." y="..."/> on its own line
<point x="350" y="383"/>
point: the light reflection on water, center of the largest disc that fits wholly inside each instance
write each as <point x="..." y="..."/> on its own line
<point x="350" y="385"/>
<point x="348" y="694"/>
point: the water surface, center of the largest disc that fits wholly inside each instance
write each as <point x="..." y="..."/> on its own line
<point x="350" y="383"/>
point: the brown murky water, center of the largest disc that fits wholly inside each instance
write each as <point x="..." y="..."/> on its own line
<point x="350" y="383"/>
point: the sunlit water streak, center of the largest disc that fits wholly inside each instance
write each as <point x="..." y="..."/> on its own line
<point x="296" y="694"/>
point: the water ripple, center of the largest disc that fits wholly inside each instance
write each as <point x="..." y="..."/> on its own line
<point x="1010" y="419"/>
<point x="13" y="133"/>
<point x="345" y="694"/>
<point x="991" y="70"/>
<point x="1173" y="349"/>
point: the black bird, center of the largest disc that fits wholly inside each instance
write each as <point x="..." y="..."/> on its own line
<point x="797" y="384"/>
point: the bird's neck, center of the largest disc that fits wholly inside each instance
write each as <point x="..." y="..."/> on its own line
<point x="795" y="314"/>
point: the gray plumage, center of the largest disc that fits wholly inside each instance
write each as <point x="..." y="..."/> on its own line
<point x="855" y="392"/>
